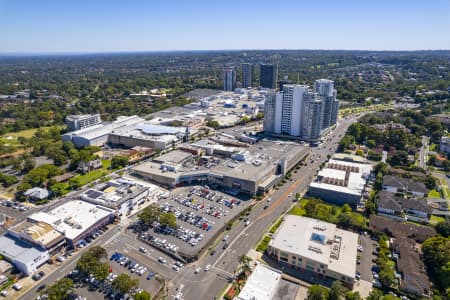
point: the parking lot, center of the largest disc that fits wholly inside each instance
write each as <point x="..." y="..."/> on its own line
<point x="367" y="257"/>
<point x="90" y="288"/>
<point x="200" y="214"/>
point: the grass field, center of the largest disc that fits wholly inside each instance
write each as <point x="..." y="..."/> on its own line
<point x="262" y="246"/>
<point x="436" y="219"/>
<point x="434" y="194"/>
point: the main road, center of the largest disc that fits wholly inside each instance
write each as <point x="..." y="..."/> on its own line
<point x="207" y="284"/>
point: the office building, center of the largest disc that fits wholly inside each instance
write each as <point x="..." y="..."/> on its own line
<point x="247" y="75"/>
<point x="268" y="76"/>
<point x="317" y="247"/>
<point x="300" y="112"/>
<point x="229" y="80"/>
<point x="77" y="122"/>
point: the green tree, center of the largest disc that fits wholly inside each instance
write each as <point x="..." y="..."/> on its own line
<point x="143" y="295"/>
<point x="337" y="291"/>
<point x="60" y="290"/>
<point x="317" y="292"/>
<point x="245" y="119"/>
<point x="436" y="255"/>
<point x="95" y="262"/>
<point x="119" y="161"/>
<point x="124" y="283"/>
<point x="443" y="228"/>
<point x="149" y="214"/>
<point x="168" y="219"/>
<point x="352" y="296"/>
<point x="213" y="124"/>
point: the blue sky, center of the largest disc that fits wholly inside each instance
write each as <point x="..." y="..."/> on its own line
<point x="153" y="25"/>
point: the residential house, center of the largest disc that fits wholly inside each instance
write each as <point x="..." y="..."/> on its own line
<point x="396" y="184"/>
<point x="392" y="205"/>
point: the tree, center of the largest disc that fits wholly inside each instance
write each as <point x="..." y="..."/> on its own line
<point x="94" y="261"/>
<point x="352" y="296"/>
<point x="244" y="264"/>
<point x="245" y="119"/>
<point x="399" y="158"/>
<point x="28" y="165"/>
<point x="149" y="214"/>
<point x="317" y="292"/>
<point x="60" y="289"/>
<point x="119" y="162"/>
<point x="124" y="283"/>
<point x="213" y="124"/>
<point x="8" y="180"/>
<point x="430" y="182"/>
<point x="337" y="291"/>
<point x="436" y="255"/>
<point x="443" y="228"/>
<point x="143" y="295"/>
<point x="381" y="167"/>
<point x="168" y="219"/>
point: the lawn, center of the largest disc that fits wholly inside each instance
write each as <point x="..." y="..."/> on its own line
<point x="436" y="219"/>
<point x="106" y="163"/>
<point x="433" y="147"/>
<point x="91" y="176"/>
<point x="297" y="211"/>
<point x="27" y="133"/>
<point x="262" y="246"/>
<point x="276" y="226"/>
<point x="434" y="194"/>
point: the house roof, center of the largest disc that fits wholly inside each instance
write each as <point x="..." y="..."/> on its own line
<point x="404" y="183"/>
<point x="388" y="200"/>
<point x="37" y="193"/>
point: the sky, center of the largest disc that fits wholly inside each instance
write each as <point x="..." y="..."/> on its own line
<point x="80" y="26"/>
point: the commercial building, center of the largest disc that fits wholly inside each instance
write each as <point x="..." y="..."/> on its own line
<point x="316" y="246"/>
<point x="24" y="256"/>
<point x="247" y="75"/>
<point x="262" y="284"/>
<point x="121" y="195"/>
<point x="396" y="184"/>
<point x="39" y="233"/>
<point x="341" y="182"/>
<point x="268" y="74"/>
<point x="253" y="170"/>
<point x="77" y="122"/>
<point x="130" y="132"/>
<point x="300" y="112"/>
<point x="75" y="219"/>
<point x="229" y="80"/>
<point x="97" y="135"/>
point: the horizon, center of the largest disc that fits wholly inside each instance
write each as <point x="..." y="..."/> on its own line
<point x="87" y="27"/>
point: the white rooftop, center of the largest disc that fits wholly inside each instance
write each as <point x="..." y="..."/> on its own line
<point x="262" y="284"/>
<point x="318" y="240"/>
<point x="356" y="180"/>
<point x="73" y="218"/>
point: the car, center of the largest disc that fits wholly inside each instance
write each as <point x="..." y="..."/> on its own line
<point x="143" y="250"/>
<point x="247" y="223"/>
<point x="17" y="286"/>
<point x="360" y="248"/>
<point x="358" y="261"/>
<point x="41" y="287"/>
<point x="197" y="270"/>
<point x="41" y="273"/>
<point x="150" y="275"/>
<point x="225" y="246"/>
<point x="265" y="206"/>
<point x="358" y="276"/>
<point x="225" y="238"/>
<point x="207" y="267"/>
<point x="179" y="264"/>
<point x="4" y="293"/>
<point x="161" y="260"/>
<point x="269" y="199"/>
<point x="36" y="277"/>
<point x="212" y="252"/>
<point x="176" y="268"/>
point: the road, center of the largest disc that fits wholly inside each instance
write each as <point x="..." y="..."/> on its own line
<point x="206" y="285"/>
<point x="423" y="153"/>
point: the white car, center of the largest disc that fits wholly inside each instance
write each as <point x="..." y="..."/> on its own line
<point x="161" y="260"/>
<point x="4" y="293"/>
<point x="207" y="267"/>
<point x="225" y="238"/>
<point x="197" y="270"/>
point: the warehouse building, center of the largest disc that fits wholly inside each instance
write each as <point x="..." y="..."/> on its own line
<point x="317" y="247"/>
<point x="341" y="182"/>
